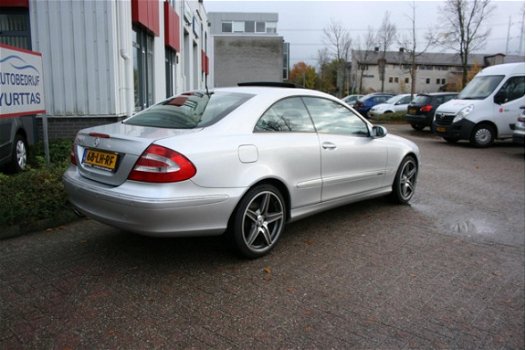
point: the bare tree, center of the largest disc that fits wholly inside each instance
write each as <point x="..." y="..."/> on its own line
<point x="410" y="53"/>
<point x="338" y="39"/>
<point x="365" y="46"/>
<point x="463" y="30"/>
<point x="386" y="36"/>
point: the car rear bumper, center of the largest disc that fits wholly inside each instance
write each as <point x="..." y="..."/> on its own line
<point x="171" y="210"/>
<point x="419" y="120"/>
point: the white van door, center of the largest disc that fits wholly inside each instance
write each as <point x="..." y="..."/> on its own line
<point x="509" y="99"/>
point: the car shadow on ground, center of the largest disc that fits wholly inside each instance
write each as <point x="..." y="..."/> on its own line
<point x="112" y="247"/>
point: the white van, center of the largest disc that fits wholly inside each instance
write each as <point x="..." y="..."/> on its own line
<point x="486" y="109"/>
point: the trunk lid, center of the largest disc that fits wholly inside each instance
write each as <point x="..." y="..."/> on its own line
<point x="108" y="153"/>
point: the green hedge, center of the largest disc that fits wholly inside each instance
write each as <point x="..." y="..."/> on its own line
<point x="35" y="198"/>
<point x="389" y="117"/>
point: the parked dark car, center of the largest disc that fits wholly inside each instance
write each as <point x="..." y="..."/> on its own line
<point x="364" y="104"/>
<point x="421" y="110"/>
<point x="15" y="136"/>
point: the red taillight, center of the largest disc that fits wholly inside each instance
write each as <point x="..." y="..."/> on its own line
<point x="426" y="108"/>
<point x="72" y="158"/>
<point x="161" y="164"/>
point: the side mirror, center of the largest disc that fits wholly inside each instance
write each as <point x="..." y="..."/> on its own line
<point x="500" y="98"/>
<point x="378" y="131"/>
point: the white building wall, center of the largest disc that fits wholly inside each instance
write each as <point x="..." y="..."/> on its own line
<point x="87" y="54"/>
<point x="82" y="67"/>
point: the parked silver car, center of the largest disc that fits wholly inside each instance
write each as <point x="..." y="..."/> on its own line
<point x="242" y="160"/>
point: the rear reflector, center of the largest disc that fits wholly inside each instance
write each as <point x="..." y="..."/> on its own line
<point x="161" y="164"/>
<point x="72" y="158"/>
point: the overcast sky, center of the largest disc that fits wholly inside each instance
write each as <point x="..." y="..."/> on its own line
<point x="301" y="23"/>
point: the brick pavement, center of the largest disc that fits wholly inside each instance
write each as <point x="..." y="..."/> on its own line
<point x="368" y="275"/>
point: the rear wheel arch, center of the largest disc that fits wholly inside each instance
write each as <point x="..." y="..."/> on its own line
<point x="280" y="185"/>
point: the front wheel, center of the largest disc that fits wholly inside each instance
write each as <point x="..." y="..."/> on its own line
<point x="258" y="221"/>
<point x="482" y="135"/>
<point x="405" y="181"/>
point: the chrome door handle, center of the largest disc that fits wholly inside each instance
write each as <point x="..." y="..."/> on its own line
<point x="328" y="145"/>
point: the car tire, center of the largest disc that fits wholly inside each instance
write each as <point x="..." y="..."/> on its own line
<point x="482" y="136"/>
<point x="450" y="139"/>
<point x="417" y="127"/>
<point x="19" y="156"/>
<point x="258" y="221"/>
<point x="405" y="180"/>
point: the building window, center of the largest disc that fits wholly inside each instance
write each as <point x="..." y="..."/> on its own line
<point x="428" y="81"/>
<point x="407" y="80"/>
<point x="443" y="81"/>
<point x="238" y="27"/>
<point x="438" y="81"/>
<point x="142" y="68"/>
<point x="226" y="27"/>
<point x="170" y="60"/>
<point x="272" y="27"/>
<point x="390" y="79"/>
<point x="250" y="26"/>
<point x="260" y="27"/>
<point x="14" y="28"/>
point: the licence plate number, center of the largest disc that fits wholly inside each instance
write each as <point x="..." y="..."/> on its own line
<point x="412" y="110"/>
<point x="101" y="160"/>
<point x="440" y="129"/>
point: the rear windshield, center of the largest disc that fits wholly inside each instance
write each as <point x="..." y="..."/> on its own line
<point x="480" y="87"/>
<point x="421" y="100"/>
<point x="189" y="110"/>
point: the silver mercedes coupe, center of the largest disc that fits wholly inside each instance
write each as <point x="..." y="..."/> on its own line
<point x="243" y="161"/>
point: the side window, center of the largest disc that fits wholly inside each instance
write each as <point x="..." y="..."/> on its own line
<point x="288" y="115"/>
<point x="333" y="118"/>
<point x="404" y="100"/>
<point x="513" y="88"/>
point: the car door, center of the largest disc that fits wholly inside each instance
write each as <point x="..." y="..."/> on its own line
<point x="287" y="140"/>
<point x="351" y="162"/>
<point x="512" y="93"/>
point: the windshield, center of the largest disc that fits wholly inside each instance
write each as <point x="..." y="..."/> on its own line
<point x="480" y="87"/>
<point x="189" y="110"/>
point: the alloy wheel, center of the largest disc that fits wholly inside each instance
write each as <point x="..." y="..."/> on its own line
<point x="263" y="221"/>
<point x="408" y="179"/>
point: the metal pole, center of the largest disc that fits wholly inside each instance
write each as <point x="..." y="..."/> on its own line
<point x="46" y="138"/>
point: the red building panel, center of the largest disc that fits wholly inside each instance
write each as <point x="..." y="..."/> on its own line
<point x="171" y="28"/>
<point x="14" y="3"/>
<point x="146" y="13"/>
